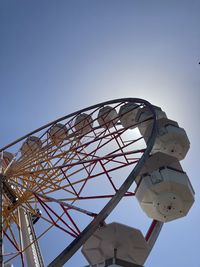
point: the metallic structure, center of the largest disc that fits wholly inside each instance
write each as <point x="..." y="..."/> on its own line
<point x="49" y="174"/>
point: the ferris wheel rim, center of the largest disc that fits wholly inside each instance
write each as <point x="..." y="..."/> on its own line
<point x="137" y="100"/>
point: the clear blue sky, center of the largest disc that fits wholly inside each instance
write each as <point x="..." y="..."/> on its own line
<point x="59" y="56"/>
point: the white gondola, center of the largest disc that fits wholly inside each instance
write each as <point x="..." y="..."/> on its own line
<point x="32" y="145"/>
<point x="6" y="159"/>
<point x="171" y="139"/>
<point x="164" y="191"/>
<point x="83" y="123"/>
<point x="127" y="115"/>
<point x="128" y="243"/>
<point x="144" y="117"/>
<point x="58" y="133"/>
<point x="107" y="117"/>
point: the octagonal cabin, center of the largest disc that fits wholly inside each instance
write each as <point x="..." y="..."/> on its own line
<point x="128" y="243"/>
<point x="58" y="133"/>
<point x="171" y="139"/>
<point x="127" y="115"/>
<point x="164" y="190"/>
<point x="32" y="145"/>
<point x="6" y="159"/>
<point x="83" y="124"/>
<point x="144" y="117"/>
<point x="107" y="117"/>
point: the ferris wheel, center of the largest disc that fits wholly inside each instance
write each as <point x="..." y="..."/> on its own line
<point x="68" y="175"/>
